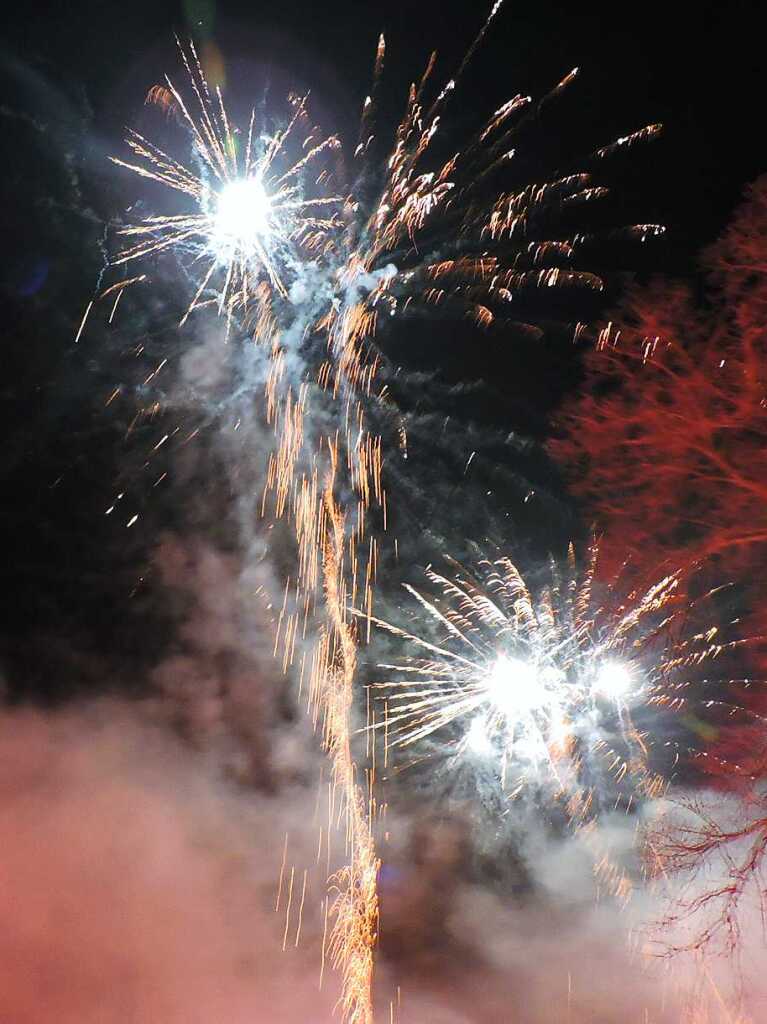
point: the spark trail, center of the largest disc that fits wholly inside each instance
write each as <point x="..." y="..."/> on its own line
<point x="356" y="905"/>
<point x="308" y="264"/>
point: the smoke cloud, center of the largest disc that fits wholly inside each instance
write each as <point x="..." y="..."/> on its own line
<point x="135" y="888"/>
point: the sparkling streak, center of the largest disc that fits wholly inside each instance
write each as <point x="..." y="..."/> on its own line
<point x="355" y="909"/>
<point x="86" y="314"/>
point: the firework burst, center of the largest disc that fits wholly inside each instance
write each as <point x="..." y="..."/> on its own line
<point x="547" y="685"/>
<point x="408" y="232"/>
<point x="286" y="245"/>
<point x="250" y="210"/>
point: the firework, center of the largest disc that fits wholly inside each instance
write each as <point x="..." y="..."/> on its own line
<point x="547" y="685"/>
<point x="464" y="234"/>
<point x="286" y="246"/>
<point x="249" y="210"/>
<point x="356" y="905"/>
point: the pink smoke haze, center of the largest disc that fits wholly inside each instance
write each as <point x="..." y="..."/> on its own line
<point x="133" y="889"/>
<point x="136" y="887"/>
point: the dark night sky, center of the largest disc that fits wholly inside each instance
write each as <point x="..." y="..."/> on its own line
<point x="66" y="66"/>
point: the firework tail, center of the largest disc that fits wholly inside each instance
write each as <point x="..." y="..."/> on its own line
<point x="355" y="907"/>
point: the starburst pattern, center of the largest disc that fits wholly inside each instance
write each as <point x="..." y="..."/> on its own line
<point x="249" y="202"/>
<point x="547" y="683"/>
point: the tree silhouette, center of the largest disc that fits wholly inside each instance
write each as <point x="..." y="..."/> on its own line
<point x="712" y="848"/>
<point x="666" y="442"/>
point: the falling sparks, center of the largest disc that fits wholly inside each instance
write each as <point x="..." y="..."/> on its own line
<point x="355" y="909"/>
<point x="280" y="246"/>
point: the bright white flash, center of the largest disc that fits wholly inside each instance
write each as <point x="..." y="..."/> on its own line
<point x="513" y="686"/>
<point x="242" y="215"/>
<point x="477" y="739"/>
<point x="613" y="680"/>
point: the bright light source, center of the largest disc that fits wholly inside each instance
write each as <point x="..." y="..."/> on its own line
<point x="560" y="731"/>
<point x="613" y="679"/>
<point x="242" y="214"/>
<point x="477" y="739"/>
<point x="514" y="687"/>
